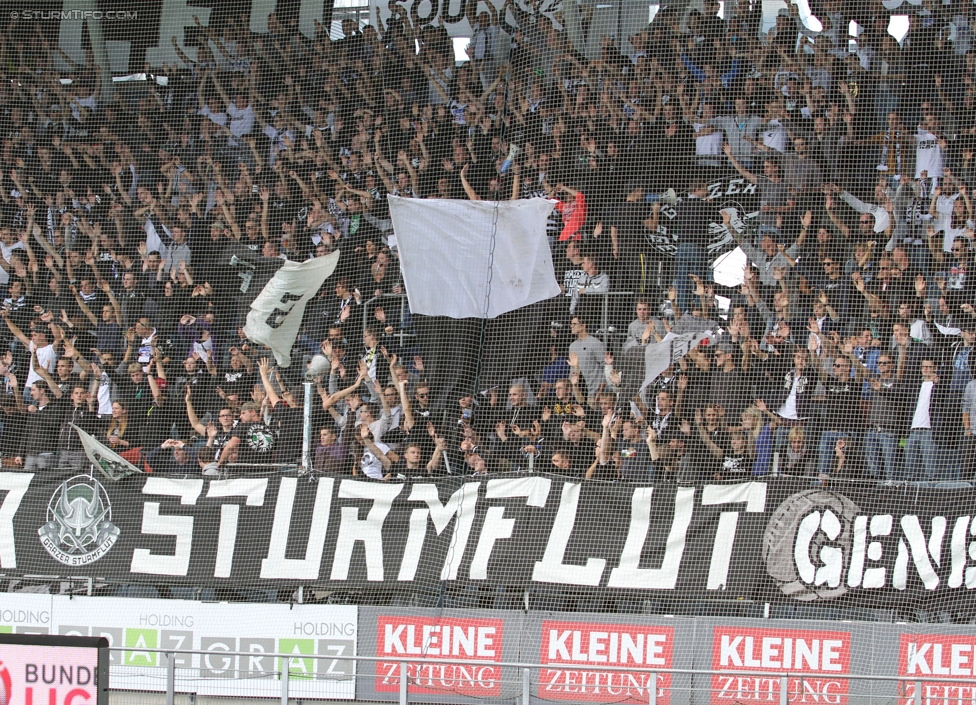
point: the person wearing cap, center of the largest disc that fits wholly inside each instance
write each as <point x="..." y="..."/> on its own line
<point x="253" y="440"/>
<point x="770" y="254"/>
<point x="692" y="223"/>
<point x="671" y="454"/>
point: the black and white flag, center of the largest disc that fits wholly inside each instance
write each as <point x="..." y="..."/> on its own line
<point x="276" y="314"/>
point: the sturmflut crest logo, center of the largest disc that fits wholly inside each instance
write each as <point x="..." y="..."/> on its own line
<point x="813" y="525"/>
<point x="79" y="528"/>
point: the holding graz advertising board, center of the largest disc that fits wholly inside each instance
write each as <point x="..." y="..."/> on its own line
<point x="136" y="627"/>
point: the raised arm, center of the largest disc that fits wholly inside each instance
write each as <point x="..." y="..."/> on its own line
<point x="191" y="414"/>
<point x="373" y="448"/>
<point x="14" y="328"/>
<point x="46" y="376"/>
<point x="264" y="366"/>
<point x="746" y="174"/>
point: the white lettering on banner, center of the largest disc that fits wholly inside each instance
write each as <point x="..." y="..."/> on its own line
<point x="601" y="686"/>
<point x="420" y="638"/>
<point x="921" y="552"/>
<point x="496" y="527"/>
<point x="862" y="550"/>
<point x="957" y="554"/>
<point x="144" y="560"/>
<point x="437" y="640"/>
<point x="784" y="653"/>
<point x="865" y="568"/>
<point x="820" y="656"/>
<point x="253" y="488"/>
<point x="753" y="494"/>
<point x="368" y="530"/>
<point x="440" y="678"/>
<point x="460" y="506"/>
<point x="551" y="568"/>
<point x="16" y="484"/>
<point x="629" y="575"/>
<point x="276" y="566"/>
<point x="831" y="556"/>
<point x="942" y="657"/>
<point x="742" y="689"/>
<point x="568" y="647"/>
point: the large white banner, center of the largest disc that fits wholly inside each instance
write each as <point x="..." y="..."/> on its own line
<point x="217" y="628"/>
<point x="453" y="266"/>
<point x="276" y="314"/>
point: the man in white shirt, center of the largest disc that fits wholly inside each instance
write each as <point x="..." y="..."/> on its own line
<point x="928" y="152"/>
<point x="241" y="116"/>
<point x="375" y="461"/>
<point x="37" y="342"/>
<point x="8" y="243"/>
<point x="927" y="404"/>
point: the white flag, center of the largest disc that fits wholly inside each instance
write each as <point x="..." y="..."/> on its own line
<point x="659" y="356"/>
<point x="453" y="266"/>
<point x="276" y="314"/>
<point x="111" y="464"/>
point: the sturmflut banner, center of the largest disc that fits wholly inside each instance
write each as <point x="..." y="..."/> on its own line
<point x="776" y="540"/>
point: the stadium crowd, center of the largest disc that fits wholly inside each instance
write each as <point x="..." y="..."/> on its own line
<point x="136" y="232"/>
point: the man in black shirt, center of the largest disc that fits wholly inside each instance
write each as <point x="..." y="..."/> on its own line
<point x="83" y="415"/>
<point x="691" y="222"/>
<point x="44" y="422"/>
<point x="253" y="440"/>
<point x="842" y="407"/>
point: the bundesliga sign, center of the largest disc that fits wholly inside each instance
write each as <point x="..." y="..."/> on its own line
<point x="39" y="669"/>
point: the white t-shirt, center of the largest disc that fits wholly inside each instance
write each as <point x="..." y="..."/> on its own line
<point x="241" y="120"/>
<point x="219" y="118"/>
<point x="371" y="465"/>
<point x="46" y="356"/>
<point x="788" y="410"/>
<point x="922" y="419"/>
<point x="104" y="395"/>
<point x="5" y="252"/>
<point x="277" y="138"/>
<point x="928" y="154"/>
<point x="708" y="146"/>
<point x="943" y="221"/>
